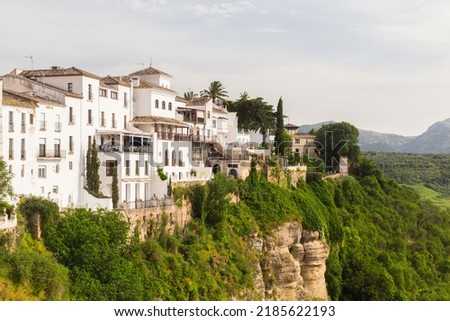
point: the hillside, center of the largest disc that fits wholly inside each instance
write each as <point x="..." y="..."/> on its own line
<point x="385" y="243"/>
<point x="435" y="140"/>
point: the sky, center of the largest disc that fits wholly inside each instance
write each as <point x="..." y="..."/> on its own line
<point x="381" y="65"/>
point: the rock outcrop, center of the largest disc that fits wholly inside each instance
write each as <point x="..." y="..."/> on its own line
<point x="292" y="264"/>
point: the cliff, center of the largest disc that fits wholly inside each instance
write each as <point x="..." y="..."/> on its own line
<point x="292" y="264"/>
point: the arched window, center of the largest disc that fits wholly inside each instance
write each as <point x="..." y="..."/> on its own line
<point x="180" y="158"/>
<point x="174" y="158"/>
<point x="156" y="103"/>
<point x="163" y="105"/>
<point x="166" y="158"/>
<point x="170" y="106"/>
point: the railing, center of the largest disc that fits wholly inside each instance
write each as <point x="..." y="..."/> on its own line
<point x="8" y="222"/>
<point x="52" y="154"/>
<point x="151" y="203"/>
<point x="127" y="149"/>
<point x="58" y="126"/>
<point x="203" y="139"/>
<point x="173" y="136"/>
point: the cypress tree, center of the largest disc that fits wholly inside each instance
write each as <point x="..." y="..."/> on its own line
<point x="279" y="128"/>
<point x="115" y="187"/>
<point x="88" y="169"/>
<point x="92" y="168"/>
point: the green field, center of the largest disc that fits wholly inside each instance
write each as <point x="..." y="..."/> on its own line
<point x="436" y="198"/>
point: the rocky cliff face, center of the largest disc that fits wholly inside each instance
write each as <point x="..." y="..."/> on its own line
<point x="292" y="265"/>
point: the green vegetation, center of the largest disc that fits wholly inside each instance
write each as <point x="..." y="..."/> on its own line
<point x="386" y="243"/>
<point x="437" y="198"/>
<point x="115" y="187"/>
<point x="92" y="169"/>
<point x="431" y="170"/>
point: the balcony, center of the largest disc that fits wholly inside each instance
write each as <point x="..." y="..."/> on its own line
<point x="204" y="139"/>
<point x="42" y="125"/>
<point x="58" y="127"/>
<point x="51" y="154"/>
<point x="173" y="136"/>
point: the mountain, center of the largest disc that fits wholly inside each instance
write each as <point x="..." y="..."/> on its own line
<point x="435" y="140"/>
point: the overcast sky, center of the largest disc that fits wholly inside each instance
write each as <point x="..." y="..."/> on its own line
<point x="382" y="65"/>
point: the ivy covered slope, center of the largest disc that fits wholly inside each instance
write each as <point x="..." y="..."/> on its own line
<point x="386" y="244"/>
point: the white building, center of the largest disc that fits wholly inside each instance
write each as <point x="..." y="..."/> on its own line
<point x="50" y="117"/>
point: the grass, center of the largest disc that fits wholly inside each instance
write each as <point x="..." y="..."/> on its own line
<point x="436" y="198"/>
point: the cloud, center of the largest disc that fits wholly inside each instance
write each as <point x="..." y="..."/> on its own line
<point x="222" y="10"/>
<point x="271" y="30"/>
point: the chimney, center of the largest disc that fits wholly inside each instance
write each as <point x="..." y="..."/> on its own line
<point x="56" y="67"/>
<point x="136" y="81"/>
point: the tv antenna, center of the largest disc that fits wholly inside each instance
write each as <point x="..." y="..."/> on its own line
<point x="31" y="60"/>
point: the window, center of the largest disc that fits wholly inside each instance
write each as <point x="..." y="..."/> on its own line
<point x="70" y="144"/>
<point x="209" y="114"/>
<point x="127" y="168"/>
<point x="174" y="158"/>
<point x="42" y="171"/>
<point x="89" y="141"/>
<point x="124" y="121"/>
<point x="103" y="93"/>
<point x="31" y="119"/>
<point x="58" y="123"/>
<point x="166" y="158"/>
<point x="180" y="158"/>
<point x="125" y="100"/>
<point x="214" y="123"/>
<point x="110" y="165"/>
<point x="102" y="119"/>
<point x="114" y="95"/>
<point x="11" y="121"/>
<point x="57" y="145"/>
<point x="43" y="124"/>
<point x="156" y="103"/>
<point x="55" y="189"/>
<point x="22" y="123"/>
<point x="22" y="171"/>
<point x="89" y="116"/>
<point x="11" y="148"/>
<point x="170" y="106"/>
<point x="71" y="116"/>
<point x="136" y="169"/>
<point x="90" y="94"/>
<point x="146" y="168"/>
<point x="42" y="147"/>
<point x="113" y="120"/>
<point x="70" y="87"/>
<point x="22" y="149"/>
<point x="10" y="169"/>
<point x="297" y="141"/>
<point x="70" y="165"/>
<point x="163" y="105"/>
<point x="57" y="168"/>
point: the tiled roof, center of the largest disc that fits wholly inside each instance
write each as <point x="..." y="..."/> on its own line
<point x="113" y="81"/>
<point x="158" y="120"/>
<point x="149" y="71"/>
<point x="14" y="98"/>
<point x="291" y="126"/>
<point x="181" y="99"/>
<point x="147" y="84"/>
<point x="198" y="101"/>
<point x="58" y="72"/>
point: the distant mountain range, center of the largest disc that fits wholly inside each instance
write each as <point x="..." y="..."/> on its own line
<point x="436" y="139"/>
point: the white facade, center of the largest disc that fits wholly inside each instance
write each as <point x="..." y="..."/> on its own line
<point x="50" y="117"/>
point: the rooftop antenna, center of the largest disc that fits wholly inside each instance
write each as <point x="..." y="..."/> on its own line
<point x="31" y="60"/>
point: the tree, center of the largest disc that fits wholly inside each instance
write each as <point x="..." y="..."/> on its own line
<point x="254" y="114"/>
<point x="115" y="187"/>
<point x="92" y="168"/>
<point x="190" y="95"/>
<point x="282" y="138"/>
<point x="5" y="181"/>
<point x="215" y="91"/>
<point x="336" y="140"/>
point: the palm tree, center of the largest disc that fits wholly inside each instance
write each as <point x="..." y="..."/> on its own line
<point x="215" y="91"/>
<point x="190" y="95"/>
